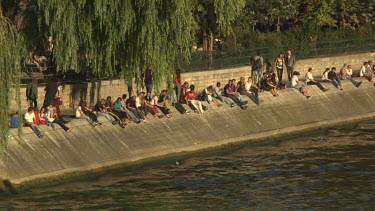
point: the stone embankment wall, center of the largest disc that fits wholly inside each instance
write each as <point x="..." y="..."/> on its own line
<point x="61" y="155"/>
<point x="93" y="91"/>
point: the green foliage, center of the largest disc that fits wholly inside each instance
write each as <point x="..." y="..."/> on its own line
<point x="11" y="55"/>
<point x="226" y="11"/>
<point x="108" y="37"/>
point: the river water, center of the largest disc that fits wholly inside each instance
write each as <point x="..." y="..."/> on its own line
<point x="326" y="170"/>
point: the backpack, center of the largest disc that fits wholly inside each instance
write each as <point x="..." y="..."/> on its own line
<point x="258" y="63"/>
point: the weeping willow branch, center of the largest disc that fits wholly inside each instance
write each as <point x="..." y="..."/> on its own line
<point x="10" y="59"/>
<point x="115" y="37"/>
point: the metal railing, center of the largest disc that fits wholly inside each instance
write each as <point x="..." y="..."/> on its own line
<point x="201" y="61"/>
<point x="223" y="59"/>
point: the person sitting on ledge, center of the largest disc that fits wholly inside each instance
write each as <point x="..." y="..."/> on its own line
<point x="131" y="105"/>
<point x="270" y="83"/>
<point x="334" y="78"/>
<point x="82" y="112"/>
<point x="125" y="109"/>
<point x="14" y="120"/>
<point x="150" y="103"/>
<point x="140" y="103"/>
<point x="310" y="80"/>
<point x="116" y="114"/>
<point x="325" y="75"/>
<point x="230" y="92"/>
<point x="218" y="94"/>
<point x="300" y="86"/>
<point x="52" y="117"/>
<point x="177" y="104"/>
<point x="108" y="103"/>
<point x="190" y="100"/>
<point x="102" y="111"/>
<point x="253" y="95"/>
<point x="369" y="75"/>
<point x="184" y="89"/>
<point x="346" y="73"/>
<point x="29" y="122"/>
<point x="208" y="97"/>
<point x="162" y="103"/>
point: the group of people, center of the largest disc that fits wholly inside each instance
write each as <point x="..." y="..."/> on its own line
<point x="139" y="108"/>
<point x="272" y="79"/>
<point x="48" y="114"/>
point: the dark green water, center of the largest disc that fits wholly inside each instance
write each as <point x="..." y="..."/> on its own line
<point x="331" y="170"/>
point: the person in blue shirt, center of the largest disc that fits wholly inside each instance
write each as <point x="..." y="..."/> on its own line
<point x="14" y="120"/>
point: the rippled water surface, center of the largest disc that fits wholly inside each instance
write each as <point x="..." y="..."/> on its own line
<point x="329" y="170"/>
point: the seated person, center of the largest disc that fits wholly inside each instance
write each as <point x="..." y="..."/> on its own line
<point x="184" y="89"/>
<point x="300" y="85"/>
<point x="83" y="112"/>
<point x="125" y="109"/>
<point x="230" y="92"/>
<point x="247" y="85"/>
<point x="369" y="75"/>
<point x="108" y="103"/>
<point x="131" y="106"/>
<point x="310" y="80"/>
<point x="325" y="75"/>
<point x="346" y="73"/>
<point x="162" y="103"/>
<point x="101" y="110"/>
<point x="118" y="112"/>
<point x="140" y="103"/>
<point x="208" y="96"/>
<point x="14" y="120"/>
<point x="334" y="78"/>
<point x="40" y="62"/>
<point x="29" y="122"/>
<point x="217" y="93"/>
<point x="151" y="103"/>
<point x="52" y="117"/>
<point x="270" y="83"/>
<point x="177" y="104"/>
<point x="190" y="100"/>
<point x="37" y="119"/>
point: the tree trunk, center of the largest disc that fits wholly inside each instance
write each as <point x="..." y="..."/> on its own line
<point x="211" y="48"/>
<point x="205" y="43"/>
<point x="278" y="24"/>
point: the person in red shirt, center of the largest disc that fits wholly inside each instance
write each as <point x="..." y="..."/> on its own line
<point x="190" y="99"/>
<point x="37" y="119"/>
<point x="178" y="82"/>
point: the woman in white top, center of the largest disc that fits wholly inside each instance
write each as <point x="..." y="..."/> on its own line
<point x="279" y="65"/>
<point x="325" y="74"/>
